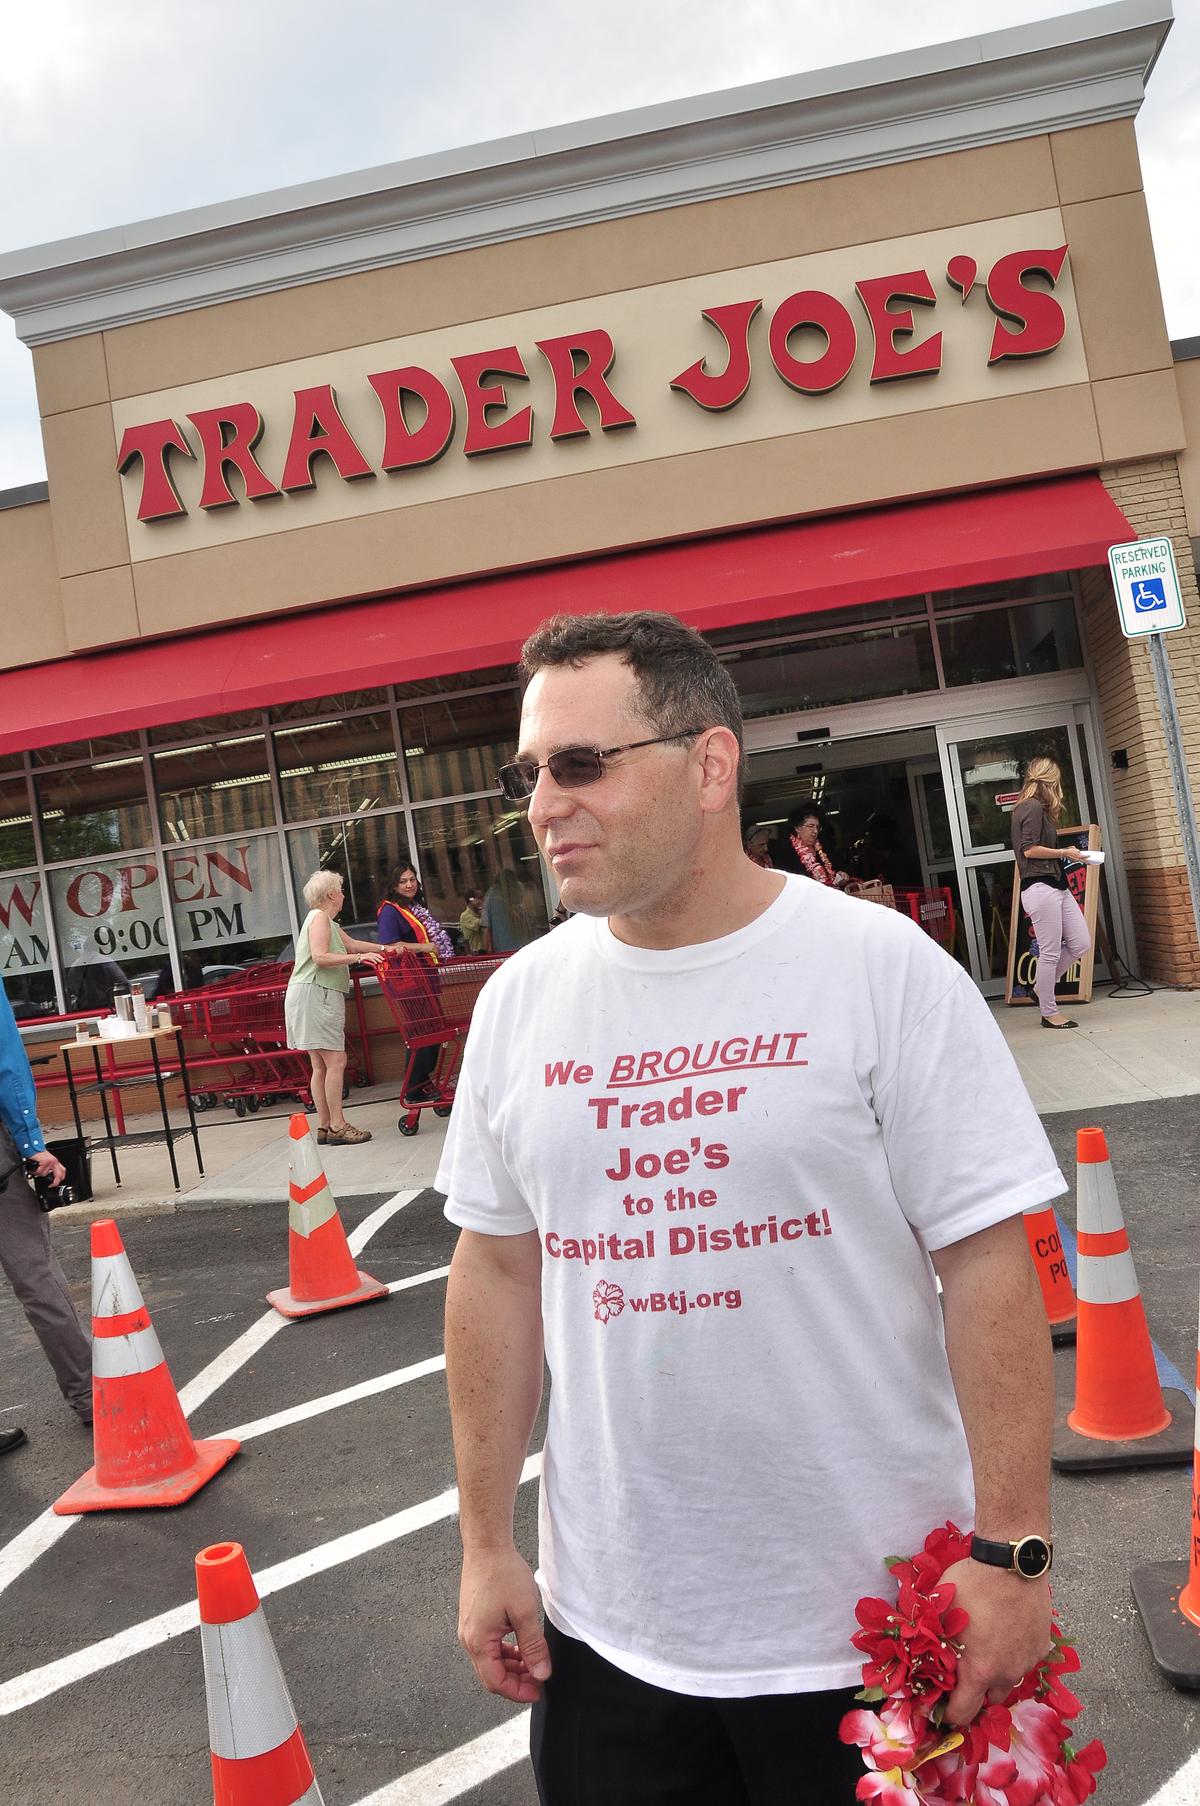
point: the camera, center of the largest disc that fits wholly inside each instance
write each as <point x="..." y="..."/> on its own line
<point x="49" y="1196"/>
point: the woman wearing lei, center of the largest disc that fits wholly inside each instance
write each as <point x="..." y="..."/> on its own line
<point x="404" y="922"/>
<point x="804" y="830"/>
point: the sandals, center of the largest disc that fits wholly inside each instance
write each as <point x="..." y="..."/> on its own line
<point x="1067" y="1024"/>
<point x="322" y="1137"/>
<point x="347" y="1137"/>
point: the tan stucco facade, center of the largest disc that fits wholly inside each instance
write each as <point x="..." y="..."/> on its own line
<point x="82" y="571"/>
<point x="1106" y="395"/>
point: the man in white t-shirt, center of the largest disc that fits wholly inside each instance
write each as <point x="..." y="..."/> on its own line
<point x="712" y="1140"/>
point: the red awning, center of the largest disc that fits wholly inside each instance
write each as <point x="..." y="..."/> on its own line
<point x="809" y="565"/>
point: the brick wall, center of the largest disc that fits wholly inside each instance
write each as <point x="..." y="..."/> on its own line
<point x="1151" y="498"/>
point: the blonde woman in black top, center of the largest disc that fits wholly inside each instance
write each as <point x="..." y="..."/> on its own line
<point x="1054" y="915"/>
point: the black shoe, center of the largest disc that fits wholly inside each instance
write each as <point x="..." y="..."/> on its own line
<point x="1067" y="1024"/>
<point x="10" y="1440"/>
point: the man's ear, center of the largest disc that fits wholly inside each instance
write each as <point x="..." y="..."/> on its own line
<point x="719" y="760"/>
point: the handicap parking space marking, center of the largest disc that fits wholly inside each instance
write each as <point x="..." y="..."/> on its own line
<point x="40" y="1683"/>
<point x="21" y="1551"/>
<point x="459" y="1771"/>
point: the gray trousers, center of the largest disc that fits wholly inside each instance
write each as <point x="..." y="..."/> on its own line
<point x="40" y="1284"/>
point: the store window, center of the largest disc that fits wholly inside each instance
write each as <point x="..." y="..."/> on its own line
<point x="206" y="729"/>
<point x="486" y="845"/>
<point x="222" y="788"/>
<point x="25" y="946"/>
<point x="338" y="767"/>
<point x="456" y="746"/>
<point x="840" y="668"/>
<point x="364" y="851"/>
<point x="1023" y="589"/>
<point x="992" y="771"/>
<point x="344" y="704"/>
<point x="110" y="918"/>
<point x="456" y="680"/>
<point x="16" y="822"/>
<point x="100" y="746"/>
<point x="229" y="904"/>
<point x="88" y="809"/>
<point x="1009" y="642"/>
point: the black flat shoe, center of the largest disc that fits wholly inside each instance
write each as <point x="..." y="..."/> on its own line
<point x="1067" y="1024"/>
<point x="10" y="1440"/>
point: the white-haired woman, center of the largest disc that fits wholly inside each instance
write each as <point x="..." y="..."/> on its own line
<point x="315" y="1005"/>
<point x="1054" y="915"/>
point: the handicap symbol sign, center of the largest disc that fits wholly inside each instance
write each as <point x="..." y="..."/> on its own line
<point x="1149" y="594"/>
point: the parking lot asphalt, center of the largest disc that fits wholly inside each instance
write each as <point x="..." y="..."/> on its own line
<point x="364" y="1628"/>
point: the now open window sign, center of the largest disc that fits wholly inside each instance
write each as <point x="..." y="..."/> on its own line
<point x="1146" y="582"/>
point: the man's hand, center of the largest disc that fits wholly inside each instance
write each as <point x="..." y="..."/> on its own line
<point x="1008" y="1634"/>
<point x="47" y="1167"/>
<point x="499" y="1599"/>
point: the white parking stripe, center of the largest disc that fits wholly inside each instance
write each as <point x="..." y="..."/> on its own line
<point x="22" y="1550"/>
<point x="358" y="1238"/>
<point x="1183" y="1788"/>
<point x="39" y="1683"/>
<point x="456" y="1773"/>
<point x="418" y="1279"/>
<point x="282" y="1420"/>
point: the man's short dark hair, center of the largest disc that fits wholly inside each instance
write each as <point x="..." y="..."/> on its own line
<point x="800" y="815"/>
<point x="681" y="682"/>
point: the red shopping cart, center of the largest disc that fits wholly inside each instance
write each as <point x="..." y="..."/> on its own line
<point x="241" y="1032"/>
<point x="431" y="1006"/>
<point x="933" y="910"/>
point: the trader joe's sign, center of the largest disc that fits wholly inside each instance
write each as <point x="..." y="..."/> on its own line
<point x="476" y="398"/>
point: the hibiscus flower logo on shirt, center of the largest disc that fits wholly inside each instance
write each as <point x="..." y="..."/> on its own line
<point x="609" y="1301"/>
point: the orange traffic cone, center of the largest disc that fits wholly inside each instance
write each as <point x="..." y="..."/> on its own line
<point x="1121" y="1417"/>
<point x="256" y="1746"/>
<point x="1050" y="1259"/>
<point x="144" y="1450"/>
<point x="1167" y="1594"/>
<point x="322" y="1275"/>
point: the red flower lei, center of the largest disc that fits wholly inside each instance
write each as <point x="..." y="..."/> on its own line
<point x="1016" y="1754"/>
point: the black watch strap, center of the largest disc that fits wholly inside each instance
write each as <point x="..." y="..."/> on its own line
<point x="1031" y="1557"/>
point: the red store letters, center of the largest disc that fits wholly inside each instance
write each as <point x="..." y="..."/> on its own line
<point x="420" y="409"/>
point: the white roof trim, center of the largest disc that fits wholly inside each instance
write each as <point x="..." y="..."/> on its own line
<point x="1081" y="69"/>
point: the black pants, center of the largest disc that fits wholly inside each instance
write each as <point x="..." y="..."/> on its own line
<point x="601" y="1738"/>
<point x="32" y="1269"/>
<point x="423" y="1062"/>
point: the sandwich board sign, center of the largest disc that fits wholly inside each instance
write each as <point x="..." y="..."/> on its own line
<point x="1147" y="587"/>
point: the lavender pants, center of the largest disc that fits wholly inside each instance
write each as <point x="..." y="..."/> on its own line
<point x="1062" y="936"/>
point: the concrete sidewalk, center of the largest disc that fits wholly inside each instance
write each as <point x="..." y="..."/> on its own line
<point x="1127" y="1050"/>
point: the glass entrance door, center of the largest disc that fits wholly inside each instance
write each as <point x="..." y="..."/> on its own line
<point x="982" y="767"/>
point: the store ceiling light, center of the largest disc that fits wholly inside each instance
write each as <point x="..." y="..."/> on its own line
<point x="379" y="758"/>
<point x="15" y="821"/>
<point x="236" y="783"/>
<point x="111" y="764"/>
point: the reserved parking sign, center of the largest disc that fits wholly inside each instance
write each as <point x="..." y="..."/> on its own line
<point x="1147" y="586"/>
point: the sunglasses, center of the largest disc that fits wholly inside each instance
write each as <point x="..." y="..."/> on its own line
<point x="574" y="766"/>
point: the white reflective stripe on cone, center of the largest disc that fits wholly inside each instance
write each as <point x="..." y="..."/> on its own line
<point x="116" y="1357"/>
<point x="115" y="1292"/>
<point x="1099" y="1205"/>
<point x="306" y="1162"/>
<point x="313" y="1797"/>
<point x="312" y="1213"/>
<point x="250" y="1710"/>
<point x="1106" y="1278"/>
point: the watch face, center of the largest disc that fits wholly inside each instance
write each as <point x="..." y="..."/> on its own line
<point x="1031" y="1557"/>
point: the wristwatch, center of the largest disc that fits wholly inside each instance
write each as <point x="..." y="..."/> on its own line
<point x="1031" y="1557"/>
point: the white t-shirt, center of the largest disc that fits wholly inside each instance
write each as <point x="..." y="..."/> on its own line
<point x="737" y="1155"/>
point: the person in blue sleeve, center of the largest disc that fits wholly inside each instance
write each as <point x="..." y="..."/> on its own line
<point x="25" y="1252"/>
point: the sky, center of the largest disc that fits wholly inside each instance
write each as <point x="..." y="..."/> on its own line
<point x="115" y="113"/>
